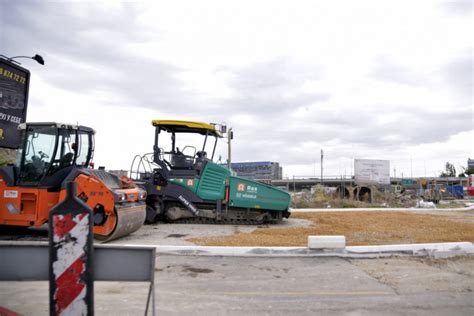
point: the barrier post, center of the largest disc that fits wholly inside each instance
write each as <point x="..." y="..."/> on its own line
<point x="71" y="287"/>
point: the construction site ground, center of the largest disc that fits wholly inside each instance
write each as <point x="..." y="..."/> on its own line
<point x="360" y="228"/>
<point x="304" y="286"/>
<point x="188" y="285"/>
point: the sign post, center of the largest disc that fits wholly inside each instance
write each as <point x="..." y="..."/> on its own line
<point x="71" y="290"/>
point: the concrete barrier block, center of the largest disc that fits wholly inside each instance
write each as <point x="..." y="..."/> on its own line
<point x="326" y="242"/>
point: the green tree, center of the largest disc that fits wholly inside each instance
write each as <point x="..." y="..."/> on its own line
<point x="466" y="171"/>
<point x="469" y="171"/>
<point x="449" y="170"/>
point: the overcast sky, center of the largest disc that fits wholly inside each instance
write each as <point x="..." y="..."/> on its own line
<point x="360" y="79"/>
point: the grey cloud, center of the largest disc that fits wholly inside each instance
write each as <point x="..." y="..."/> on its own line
<point x="388" y="70"/>
<point x="459" y="76"/>
<point x="280" y="138"/>
<point x="273" y="86"/>
<point x="456" y="75"/>
<point x="58" y="27"/>
<point x="416" y="127"/>
<point x="270" y="103"/>
<point x="86" y="54"/>
<point x="458" y="7"/>
<point x="270" y="92"/>
<point x="275" y="74"/>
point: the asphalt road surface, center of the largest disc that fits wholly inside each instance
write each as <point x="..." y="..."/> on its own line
<point x="187" y="285"/>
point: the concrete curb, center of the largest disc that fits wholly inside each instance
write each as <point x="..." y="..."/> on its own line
<point x="412" y="209"/>
<point x="436" y="250"/>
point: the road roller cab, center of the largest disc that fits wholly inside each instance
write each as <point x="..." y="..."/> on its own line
<point x="49" y="156"/>
<point x="49" y="152"/>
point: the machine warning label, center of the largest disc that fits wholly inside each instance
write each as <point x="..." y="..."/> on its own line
<point x="10" y="194"/>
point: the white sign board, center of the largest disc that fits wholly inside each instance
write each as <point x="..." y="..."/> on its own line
<point x="368" y="171"/>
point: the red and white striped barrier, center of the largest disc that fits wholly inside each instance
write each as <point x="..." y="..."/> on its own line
<point x="71" y="283"/>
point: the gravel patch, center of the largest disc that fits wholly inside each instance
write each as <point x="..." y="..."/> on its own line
<point x="182" y="234"/>
<point x="360" y="228"/>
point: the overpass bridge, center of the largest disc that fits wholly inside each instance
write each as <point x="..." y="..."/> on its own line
<point x="299" y="183"/>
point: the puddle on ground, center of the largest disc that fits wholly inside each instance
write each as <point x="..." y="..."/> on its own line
<point x="176" y="235"/>
<point x="191" y="269"/>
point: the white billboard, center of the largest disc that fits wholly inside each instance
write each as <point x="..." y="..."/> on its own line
<point x="370" y="171"/>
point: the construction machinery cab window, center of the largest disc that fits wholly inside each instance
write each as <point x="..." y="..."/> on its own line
<point x="84" y="148"/>
<point x="38" y="152"/>
<point x="176" y="149"/>
<point x="48" y="149"/>
<point x="66" y="149"/>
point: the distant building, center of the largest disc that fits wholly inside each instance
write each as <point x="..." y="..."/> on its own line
<point x="260" y="170"/>
<point x="470" y="163"/>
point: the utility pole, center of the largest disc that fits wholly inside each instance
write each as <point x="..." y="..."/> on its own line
<point x="230" y="136"/>
<point x="322" y="156"/>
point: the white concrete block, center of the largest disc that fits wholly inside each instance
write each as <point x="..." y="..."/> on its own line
<point x="326" y="242"/>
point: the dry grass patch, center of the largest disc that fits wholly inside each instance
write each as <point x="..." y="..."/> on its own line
<point x="360" y="228"/>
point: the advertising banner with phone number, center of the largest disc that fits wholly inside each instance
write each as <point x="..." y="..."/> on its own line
<point x="14" y="85"/>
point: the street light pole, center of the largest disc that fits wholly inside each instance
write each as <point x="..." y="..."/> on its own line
<point x="322" y="156"/>
<point x="230" y="135"/>
<point x="36" y="57"/>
